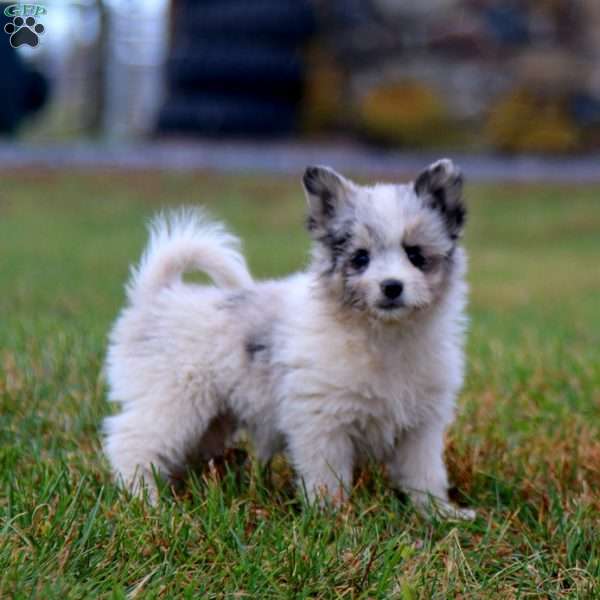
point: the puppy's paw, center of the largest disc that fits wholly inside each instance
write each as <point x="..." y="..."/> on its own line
<point x="445" y="510"/>
<point x="143" y="485"/>
<point x="450" y="512"/>
<point x="327" y="498"/>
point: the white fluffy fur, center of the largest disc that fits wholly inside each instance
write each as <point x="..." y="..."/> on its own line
<point x="184" y="241"/>
<point x="190" y="364"/>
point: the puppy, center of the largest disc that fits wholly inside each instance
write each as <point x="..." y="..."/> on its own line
<point x="358" y="357"/>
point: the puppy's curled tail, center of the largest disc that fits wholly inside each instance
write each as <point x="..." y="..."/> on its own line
<point x="186" y="240"/>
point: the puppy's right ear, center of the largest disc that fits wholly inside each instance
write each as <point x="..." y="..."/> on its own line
<point x="441" y="187"/>
<point x="327" y="193"/>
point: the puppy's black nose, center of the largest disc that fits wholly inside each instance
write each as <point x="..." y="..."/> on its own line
<point x="391" y="288"/>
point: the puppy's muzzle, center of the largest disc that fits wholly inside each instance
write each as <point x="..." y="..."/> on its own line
<point x="392" y="292"/>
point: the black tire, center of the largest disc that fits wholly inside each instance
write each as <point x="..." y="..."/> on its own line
<point x="214" y="115"/>
<point x="238" y="68"/>
<point x="288" y="22"/>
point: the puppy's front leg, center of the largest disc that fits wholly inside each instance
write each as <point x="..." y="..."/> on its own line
<point x="324" y="461"/>
<point x="418" y="469"/>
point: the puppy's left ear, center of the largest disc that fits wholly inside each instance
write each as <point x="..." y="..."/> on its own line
<point x="328" y="195"/>
<point x="441" y="187"/>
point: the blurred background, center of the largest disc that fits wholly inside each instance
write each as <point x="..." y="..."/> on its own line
<point x="119" y="109"/>
<point x="495" y="76"/>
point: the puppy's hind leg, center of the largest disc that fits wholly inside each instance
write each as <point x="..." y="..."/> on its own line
<point x="160" y="438"/>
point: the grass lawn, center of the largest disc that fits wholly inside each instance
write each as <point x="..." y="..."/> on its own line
<point x="525" y="450"/>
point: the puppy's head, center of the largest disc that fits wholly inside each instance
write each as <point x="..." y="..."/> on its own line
<point x="386" y="250"/>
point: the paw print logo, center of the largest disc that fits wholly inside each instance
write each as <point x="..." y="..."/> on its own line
<point x="24" y="31"/>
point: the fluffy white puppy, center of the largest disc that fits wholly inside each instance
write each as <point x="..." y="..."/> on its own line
<point x="359" y="357"/>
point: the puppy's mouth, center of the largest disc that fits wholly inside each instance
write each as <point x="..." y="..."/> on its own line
<point x="392" y="310"/>
<point x="390" y="305"/>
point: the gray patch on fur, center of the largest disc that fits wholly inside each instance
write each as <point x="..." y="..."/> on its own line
<point x="350" y="295"/>
<point x="234" y="300"/>
<point x="336" y="241"/>
<point x="255" y="345"/>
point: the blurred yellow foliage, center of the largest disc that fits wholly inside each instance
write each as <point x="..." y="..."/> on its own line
<point x="404" y="112"/>
<point x="524" y="122"/>
<point x="323" y="105"/>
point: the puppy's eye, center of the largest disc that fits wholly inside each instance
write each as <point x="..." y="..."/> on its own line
<point x="415" y="255"/>
<point x="360" y="259"/>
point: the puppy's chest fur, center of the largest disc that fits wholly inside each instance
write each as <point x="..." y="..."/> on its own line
<point x="372" y="388"/>
<point x="382" y="390"/>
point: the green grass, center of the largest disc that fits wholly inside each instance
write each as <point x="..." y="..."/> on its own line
<point x="525" y="449"/>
